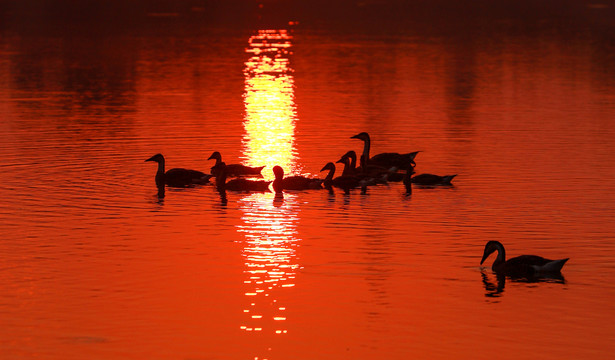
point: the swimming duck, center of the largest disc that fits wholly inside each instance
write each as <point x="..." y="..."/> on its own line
<point x="238" y="184"/>
<point x="431" y="179"/>
<point x="233" y="170"/>
<point x="343" y="182"/>
<point x="386" y="160"/>
<point x="295" y="182"/>
<point x="426" y="179"/>
<point x="524" y="265"/>
<point x="177" y="177"/>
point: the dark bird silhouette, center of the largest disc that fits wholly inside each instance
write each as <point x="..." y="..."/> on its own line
<point x="234" y="170"/>
<point x="295" y="182"/>
<point x="343" y="182"/>
<point x="425" y="179"/>
<point x="238" y="184"/>
<point x="376" y="175"/>
<point x="523" y="266"/>
<point x="431" y="179"/>
<point x="349" y="160"/>
<point x="177" y="177"/>
<point x="386" y="160"/>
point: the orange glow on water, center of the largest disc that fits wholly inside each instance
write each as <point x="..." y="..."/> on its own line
<point x="88" y="245"/>
<point x="269" y="102"/>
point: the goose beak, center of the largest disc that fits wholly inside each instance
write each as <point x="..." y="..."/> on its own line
<point x="355" y="136"/>
<point x="151" y="159"/>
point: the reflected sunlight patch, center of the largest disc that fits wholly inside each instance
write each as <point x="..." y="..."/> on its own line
<point x="270" y="110"/>
<point x="269" y="253"/>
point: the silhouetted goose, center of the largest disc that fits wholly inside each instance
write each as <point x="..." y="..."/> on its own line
<point x="238" y="184"/>
<point x="524" y="265"/>
<point x="426" y="179"/>
<point x="386" y="160"/>
<point x="233" y="170"/>
<point x="349" y="160"/>
<point x="351" y="169"/>
<point x="431" y="179"/>
<point x="295" y="182"/>
<point x="375" y="175"/>
<point x="343" y="182"/>
<point x="177" y="177"/>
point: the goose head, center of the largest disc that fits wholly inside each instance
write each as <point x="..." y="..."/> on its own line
<point x="491" y="247"/>
<point x="343" y="160"/>
<point x="278" y="172"/>
<point x="330" y="166"/>
<point x="351" y="155"/>
<point x="157" y="158"/>
<point x="216" y="155"/>
<point x="361" y="136"/>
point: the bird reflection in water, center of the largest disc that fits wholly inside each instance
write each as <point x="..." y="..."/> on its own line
<point x="161" y="193"/>
<point x="496" y="289"/>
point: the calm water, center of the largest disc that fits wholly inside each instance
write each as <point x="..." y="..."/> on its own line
<point x="93" y="264"/>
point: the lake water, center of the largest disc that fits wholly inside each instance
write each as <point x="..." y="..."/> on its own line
<point x="95" y="265"/>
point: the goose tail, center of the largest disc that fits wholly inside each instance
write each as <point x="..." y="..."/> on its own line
<point x="552" y="266"/>
<point x="448" y="178"/>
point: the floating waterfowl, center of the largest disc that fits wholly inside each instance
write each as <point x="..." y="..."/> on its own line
<point x="234" y="170"/>
<point x="177" y="177"/>
<point x="238" y="184"/>
<point x="431" y="179"/>
<point x="524" y="265"/>
<point x="343" y="182"/>
<point x="349" y="160"/>
<point x="425" y="179"/>
<point x="295" y="182"/>
<point x="376" y="175"/>
<point x="386" y="160"/>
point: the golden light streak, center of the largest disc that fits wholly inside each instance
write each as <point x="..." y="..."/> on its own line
<point x="269" y="250"/>
<point x="269" y="253"/>
<point x="269" y="102"/>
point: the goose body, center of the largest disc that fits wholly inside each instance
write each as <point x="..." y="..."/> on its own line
<point x="524" y="265"/>
<point x="425" y="179"/>
<point x="386" y="160"/>
<point x="431" y="179"/>
<point x="238" y="184"/>
<point x="295" y="182"/>
<point x="234" y="170"/>
<point x="177" y="177"/>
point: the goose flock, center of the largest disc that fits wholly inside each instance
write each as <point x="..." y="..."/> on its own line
<point x="378" y="169"/>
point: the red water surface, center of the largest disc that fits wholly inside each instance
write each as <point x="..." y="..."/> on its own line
<point x="95" y="265"/>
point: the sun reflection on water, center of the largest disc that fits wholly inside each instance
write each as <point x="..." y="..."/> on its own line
<point x="269" y="225"/>
<point x="269" y="253"/>
<point x="269" y="102"/>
